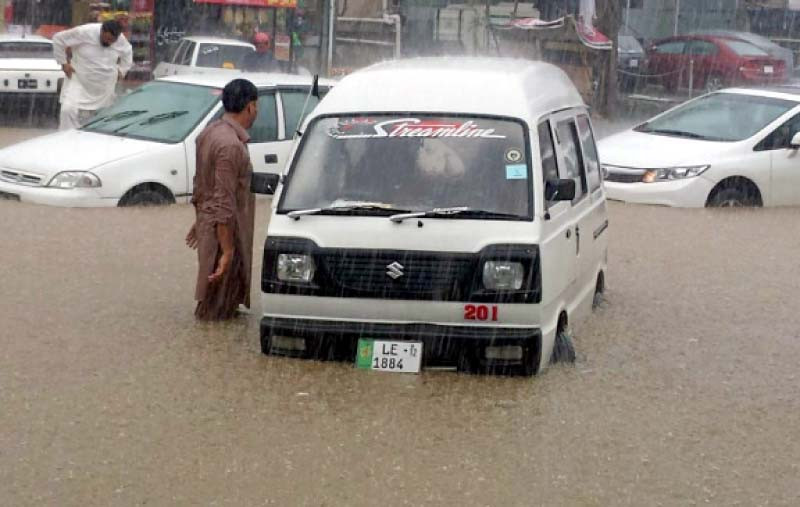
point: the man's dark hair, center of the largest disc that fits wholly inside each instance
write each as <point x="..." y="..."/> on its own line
<point x="113" y="27"/>
<point x="237" y="94"/>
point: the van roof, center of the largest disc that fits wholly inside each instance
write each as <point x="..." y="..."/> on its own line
<point x="481" y="86"/>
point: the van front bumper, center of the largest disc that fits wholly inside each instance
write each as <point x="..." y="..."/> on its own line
<point x="443" y="345"/>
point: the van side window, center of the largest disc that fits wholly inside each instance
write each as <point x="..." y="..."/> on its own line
<point x="547" y="152"/>
<point x="569" y="142"/>
<point x="590" y="158"/>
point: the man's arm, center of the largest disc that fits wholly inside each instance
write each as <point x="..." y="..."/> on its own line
<point x="223" y="206"/>
<point x="126" y="56"/>
<point x="67" y="39"/>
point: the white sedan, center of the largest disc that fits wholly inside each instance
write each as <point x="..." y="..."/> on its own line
<point x="736" y="147"/>
<point x="30" y="77"/>
<point x="141" y="150"/>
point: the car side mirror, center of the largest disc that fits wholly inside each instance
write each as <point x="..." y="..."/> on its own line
<point x="264" y="183"/>
<point x="795" y="142"/>
<point x="559" y="190"/>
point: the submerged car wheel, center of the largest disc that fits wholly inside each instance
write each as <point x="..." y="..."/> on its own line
<point x="734" y="196"/>
<point x="599" y="291"/>
<point x="563" y="349"/>
<point x="147" y="195"/>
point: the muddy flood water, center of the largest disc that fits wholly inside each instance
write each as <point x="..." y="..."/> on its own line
<point x="686" y="390"/>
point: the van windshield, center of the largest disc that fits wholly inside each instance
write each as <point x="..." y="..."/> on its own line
<point x="412" y="163"/>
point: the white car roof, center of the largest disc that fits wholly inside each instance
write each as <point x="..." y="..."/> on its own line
<point x="5" y="37"/>
<point x="482" y="86"/>
<point x="786" y="92"/>
<point x="260" y="79"/>
<point x="200" y="39"/>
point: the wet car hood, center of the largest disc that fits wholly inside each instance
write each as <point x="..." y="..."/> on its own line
<point x="28" y="64"/>
<point x="72" y="150"/>
<point x="641" y="150"/>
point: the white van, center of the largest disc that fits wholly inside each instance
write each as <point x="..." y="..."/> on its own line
<point x="437" y="212"/>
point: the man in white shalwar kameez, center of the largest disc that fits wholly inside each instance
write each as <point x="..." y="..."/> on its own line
<point x="100" y="56"/>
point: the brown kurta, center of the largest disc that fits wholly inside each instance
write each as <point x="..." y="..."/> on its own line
<point x="222" y="196"/>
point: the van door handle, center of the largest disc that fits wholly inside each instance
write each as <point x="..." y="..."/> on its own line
<point x="577" y="240"/>
<point x="569" y="233"/>
<point x="271" y="158"/>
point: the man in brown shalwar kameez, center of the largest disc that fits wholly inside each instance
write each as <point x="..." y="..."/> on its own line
<point x="224" y="207"/>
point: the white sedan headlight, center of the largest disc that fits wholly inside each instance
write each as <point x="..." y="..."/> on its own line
<point x="296" y="268"/>
<point x="674" y="173"/>
<point x="503" y="275"/>
<point x="75" y="179"/>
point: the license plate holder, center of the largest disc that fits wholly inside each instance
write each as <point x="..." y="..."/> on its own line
<point x="389" y="356"/>
<point x="769" y="69"/>
<point x="634" y="63"/>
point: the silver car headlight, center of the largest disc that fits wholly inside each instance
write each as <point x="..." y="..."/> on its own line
<point x="673" y="173"/>
<point x="503" y="275"/>
<point x="75" y="179"/>
<point x="296" y="268"/>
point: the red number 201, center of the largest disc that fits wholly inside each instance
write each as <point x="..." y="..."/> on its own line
<point x="480" y="312"/>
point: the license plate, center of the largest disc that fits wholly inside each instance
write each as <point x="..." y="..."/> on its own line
<point x="381" y="355"/>
<point x="634" y="63"/>
<point x="768" y="69"/>
<point x="27" y="84"/>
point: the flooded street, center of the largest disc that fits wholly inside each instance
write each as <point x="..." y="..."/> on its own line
<point x="685" y="391"/>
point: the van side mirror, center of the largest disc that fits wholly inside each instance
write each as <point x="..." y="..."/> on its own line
<point x="795" y="142"/>
<point x="264" y="183"/>
<point x="559" y="190"/>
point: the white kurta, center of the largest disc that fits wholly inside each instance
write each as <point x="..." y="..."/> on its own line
<point x="97" y="68"/>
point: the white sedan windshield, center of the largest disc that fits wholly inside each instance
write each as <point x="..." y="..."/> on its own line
<point x="719" y="117"/>
<point x="414" y="163"/>
<point x="158" y="111"/>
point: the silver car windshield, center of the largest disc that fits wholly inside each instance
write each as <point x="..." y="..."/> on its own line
<point x="413" y="163"/>
<point x="719" y="117"/>
<point x="158" y="111"/>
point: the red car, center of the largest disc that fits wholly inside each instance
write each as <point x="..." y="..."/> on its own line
<point x="718" y="62"/>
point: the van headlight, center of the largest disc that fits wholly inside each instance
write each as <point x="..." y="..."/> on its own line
<point x="296" y="268"/>
<point x="503" y="275"/>
<point x="673" y="173"/>
<point x="75" y="179"/>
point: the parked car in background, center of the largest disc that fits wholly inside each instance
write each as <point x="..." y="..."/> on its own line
<point x="141" y="150"/>
<point x="760" y="42"/>
<point x="736" y="147"/>
<point x="30" y="78"/>
<point x="199" y="55"/>
<point x="630" y="62"/>
<point x="710" y="63"/>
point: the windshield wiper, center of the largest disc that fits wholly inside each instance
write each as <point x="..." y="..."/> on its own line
<point x="678" y="133"/>
<point x="463" y="211"/>
<point x="122" y="115"/>
<point x="345" y="208"/>
<point x="163" y="117"/>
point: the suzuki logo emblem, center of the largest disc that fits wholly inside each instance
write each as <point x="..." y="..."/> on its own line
<point x="394" y="270"/>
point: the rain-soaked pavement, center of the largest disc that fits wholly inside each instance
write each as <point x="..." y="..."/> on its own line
<point x="685" y="391"/>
